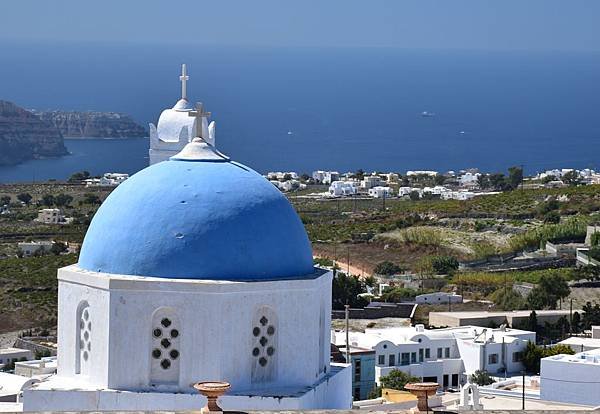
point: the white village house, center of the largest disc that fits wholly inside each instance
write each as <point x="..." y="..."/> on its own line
<point x="446" y="356"/>
<point x="343" y="188"/>
<point x="50" y="216"/>
<point x="380" y="192"/>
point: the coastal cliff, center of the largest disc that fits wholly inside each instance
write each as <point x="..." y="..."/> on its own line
<point x="73" y="124"/>
<point x="24" y="136"/>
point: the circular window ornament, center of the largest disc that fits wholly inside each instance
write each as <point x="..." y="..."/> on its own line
<point x="165" y="364"/>
<point x="174" y="333"/>
<point x="262" y="361"/>
<point x="165" y="343"/>
<point x="157" y="333"/>
<point x="174" y="354"/>
<point x="166" y="322"/>
<point x="156" y="353"/>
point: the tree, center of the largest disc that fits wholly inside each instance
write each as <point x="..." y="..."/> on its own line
<point x="481" y="378"/>
<point x="552" y="217"/>
<point x="591" y="315"/>
<point x="576" y="323"/>
<point x="396" y="380"/>
<point x="515" y="177"/>
<point x="63" y="200"/>
<point x="497" y="181"/>
<point x="4" y="200"/>
<point x="345" y="290"/>
<point x="397" y="294"/>
<point x="589" y="272"/>
<point x="58" y="248"/>
<point x="79" y="176"/>
<point x="531" y="357"/>
<point x="533" y="354"/>
<point x="532" y="324"/>
<point x="24" y="197"/>
<point x="414" y="195"/>
<point x="571" y="178"/>
<point x="443" y="265"/>
<point x="387" y="268"/>
<point x="484" y="181"/>
<point x="439" y="179"/>
<point x="507" y="299"/>
<point x="90" y="198"/>
<point x="548" y="292"/>
<point x="48" y="200"/>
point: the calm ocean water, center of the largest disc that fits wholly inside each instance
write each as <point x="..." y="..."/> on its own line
<point x="346" y="108"/>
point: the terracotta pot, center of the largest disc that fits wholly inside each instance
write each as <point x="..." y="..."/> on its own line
<point x="422" y="390"/>
<point x="212" y="390"/>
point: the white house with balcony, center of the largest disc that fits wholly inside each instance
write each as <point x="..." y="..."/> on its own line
<point x="446" y="356"/>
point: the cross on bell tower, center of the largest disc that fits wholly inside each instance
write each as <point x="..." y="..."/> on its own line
<point x="184" y="78"/>
<point x="199" y="113"/>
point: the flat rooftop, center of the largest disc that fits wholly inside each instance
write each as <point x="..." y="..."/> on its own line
<point x="483" y="314"/>
<point x="12" y="350"/>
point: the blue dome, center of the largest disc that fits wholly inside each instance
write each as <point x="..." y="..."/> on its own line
<point x="216" y="220"/>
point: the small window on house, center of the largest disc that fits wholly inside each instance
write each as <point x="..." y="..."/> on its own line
<point x="357" y="365"/>
<point x="413" y="358"/>
<point x="439" y="352"/>
<point x="427" y="353"/>
<point x="392" y="360"/>
<point x="447" y="352"/>
<point x="493" y="359"/>
<point x="421" y="355"/>
<point x="405" y="360"/>
<point x="381" y="360"/>
<point x="517" y="356"/>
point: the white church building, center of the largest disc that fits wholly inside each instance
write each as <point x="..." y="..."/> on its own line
<point x="177" y="126"/>
<point x="194" y="269"/>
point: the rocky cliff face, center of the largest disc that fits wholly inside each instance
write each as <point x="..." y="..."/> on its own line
<point x="24" y="136"/>
<point x="93" y="124"/>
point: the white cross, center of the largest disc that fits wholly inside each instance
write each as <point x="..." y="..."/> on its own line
<point x="184" y="78"/>
<point x="199" y="113"/>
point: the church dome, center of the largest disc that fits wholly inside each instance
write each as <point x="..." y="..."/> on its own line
<point x="198" y="216"/>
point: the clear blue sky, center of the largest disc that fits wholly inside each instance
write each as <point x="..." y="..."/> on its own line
<point x="572" y="25"/>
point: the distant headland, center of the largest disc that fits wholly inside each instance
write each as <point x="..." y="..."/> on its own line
<point x="93" y="124"/>
<point x="29" y="134"/>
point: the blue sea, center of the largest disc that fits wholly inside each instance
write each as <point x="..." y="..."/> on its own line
<point x="345" y="108"/>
